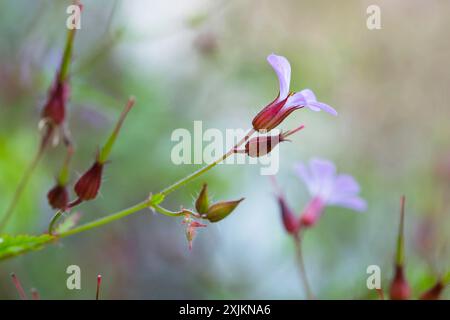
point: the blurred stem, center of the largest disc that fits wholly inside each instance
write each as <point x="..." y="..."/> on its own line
<point x="22" y="184"/>
<point x="65" y="62"/>
<point x="106" y="150"/>
<point x="201" y="171"/>
<point x="301" y="266"/>
<point x="400" y="256"/>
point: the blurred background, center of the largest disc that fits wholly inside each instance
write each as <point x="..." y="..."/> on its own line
<point x="206" y="60"/>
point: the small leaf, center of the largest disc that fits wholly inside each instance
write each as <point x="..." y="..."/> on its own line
<point x="11" y="246"/>
<point x="202" y="202"/>
<point x="68" y="223"/>
<point x="221" y="210"/>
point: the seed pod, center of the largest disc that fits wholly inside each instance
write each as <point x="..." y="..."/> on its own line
<point x="55" y="109"/>
<point x="289" y="220"/>
<point x="221" y="210"/>
<point x="400" y="289"/>
<point x="260" y="146"/>
<point x="434" y="292"/>
<point x="88" y="185"/>
<point x="202" y="202"/>
<point x="58" y="197"/>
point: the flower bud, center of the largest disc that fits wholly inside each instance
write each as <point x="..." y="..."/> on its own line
<point x="271" y="115"/>
<point x="55" y="109"/>
<point x="202" y="202"/>
<point x="221" y="210"/>
<point x="88" y="185"/>
<point x="260" y="146"/>
<point x="400" y="289"/>
<point x="289" y="220"/>
<point x="312" y="212"/>
<point x="58" y="197"/>
<point x="434" y="292"/>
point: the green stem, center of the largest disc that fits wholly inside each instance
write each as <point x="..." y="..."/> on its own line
<point x="105" y="220"/>
<point x="149" y="203"/>
<point x="301" y="266"/>
<point x="169" y="213"/>
<point x="21" y="187"/>
<point x="201" y="171"/>
<point x="152" y="202"/>
<point x="65" y="62"/>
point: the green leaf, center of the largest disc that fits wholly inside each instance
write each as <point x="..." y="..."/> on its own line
<point x="68" y="223"/>
<point x="11" y="246"/>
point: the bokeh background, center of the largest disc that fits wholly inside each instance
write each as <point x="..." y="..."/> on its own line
<point x="205" y="60"/>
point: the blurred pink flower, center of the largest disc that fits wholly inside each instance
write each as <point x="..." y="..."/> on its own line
<point x="286" y="102"/>
<point x="327" y="189"/>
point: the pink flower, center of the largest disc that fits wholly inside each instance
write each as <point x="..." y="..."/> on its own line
<point x="327" y="189"/>
<point x="286" y="102"/>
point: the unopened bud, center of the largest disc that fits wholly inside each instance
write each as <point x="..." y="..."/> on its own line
<point x="58" y="197"/>
<point x="400" y="289"/>
<point x="289" y="220"/>
<point x="55" y="109"/>
<point x="88" y="185"/>
<point x="221" y="210"/>
<point x="260" y="146"/>
<point x="434" y="292"/>
<point x="202" y="202"/>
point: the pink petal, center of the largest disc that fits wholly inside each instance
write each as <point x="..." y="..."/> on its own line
<point x="309" y="95"/>
<point x="355" y="203"/>
<point x="283" y="70"/>
<point x="318" y="106"/>
<point x="297" y="99"/>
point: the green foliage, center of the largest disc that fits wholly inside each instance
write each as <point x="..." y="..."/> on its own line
<point x="11" y="246"/>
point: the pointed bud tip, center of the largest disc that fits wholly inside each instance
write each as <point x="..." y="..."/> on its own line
<point x="221" y="210"/>
<point x="202" y="202"/>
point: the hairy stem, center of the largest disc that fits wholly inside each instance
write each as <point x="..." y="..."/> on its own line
<point x="105" y="220"/>
<point x="301" y="266"/>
